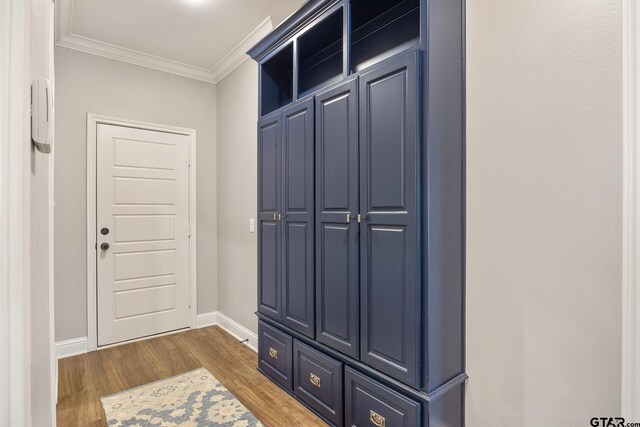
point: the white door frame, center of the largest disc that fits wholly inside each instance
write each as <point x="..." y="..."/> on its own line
<point x="15" y="332"/>
<point x="631" y="213"/>
<point x="93" y="120"/>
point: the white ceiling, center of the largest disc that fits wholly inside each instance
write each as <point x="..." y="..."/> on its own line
<point x="202" y="39"/>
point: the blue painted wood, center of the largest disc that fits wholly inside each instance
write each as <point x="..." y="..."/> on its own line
<point x="269" y="230"/>
<point x="368" y="403"/>
<point x="444" y="166"/>
<point x="389" y="194"/>
<point x="275" y="354"/>
<point x="317" y="381"/>
<point x="337" y="242"/>
<point x="298" y="251"/>
<point x="409" y="327"/>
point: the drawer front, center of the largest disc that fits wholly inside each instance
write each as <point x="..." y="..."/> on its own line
<point x="371" y="404"/>
<point x="317" y="381"/>
<point x="275" y="354"/>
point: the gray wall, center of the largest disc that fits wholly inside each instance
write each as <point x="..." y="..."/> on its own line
<point x="237" y="194"/>
<point x="92" y="84"/>
<point x="544" y="181"/>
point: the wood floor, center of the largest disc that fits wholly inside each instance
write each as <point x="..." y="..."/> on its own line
<point x="84" y="379"/>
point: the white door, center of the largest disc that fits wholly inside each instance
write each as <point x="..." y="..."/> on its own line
<point x="142" y="233"/>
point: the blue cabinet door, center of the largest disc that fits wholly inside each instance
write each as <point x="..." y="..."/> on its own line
<point x="389" y="232"/>
<point x="336" y="229"/>
<point x="269" y="230"/>
<point x="298" y="279"/>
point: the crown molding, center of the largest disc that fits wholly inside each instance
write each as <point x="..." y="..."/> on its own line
<point x="66" y="38"/>
<point x="238" y="54"/>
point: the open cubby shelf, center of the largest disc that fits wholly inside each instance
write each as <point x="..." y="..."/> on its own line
<point x="277" y="80"/>
<point x="381" y="28"/>
<point x="320" y="54"/>
<point x="378" y="30"/>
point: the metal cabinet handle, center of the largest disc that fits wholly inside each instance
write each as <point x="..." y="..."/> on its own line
<point x="361" y="218"/>
<point x="279" y="216"/>
<point x="315" y="380"/>
<point x="376" y="419"/>
<point x="273" y="352"/>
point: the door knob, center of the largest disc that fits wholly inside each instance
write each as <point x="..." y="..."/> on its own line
<point x="104" y="231"/>
<point x="104" y="246"/>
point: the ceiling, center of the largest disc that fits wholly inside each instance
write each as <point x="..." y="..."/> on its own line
<point x="201" y="39"/>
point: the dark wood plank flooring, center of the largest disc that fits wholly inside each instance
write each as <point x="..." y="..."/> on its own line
<point x="84" y="379"/>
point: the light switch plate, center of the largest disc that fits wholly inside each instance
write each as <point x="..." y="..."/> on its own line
<point x="252" y="225"/>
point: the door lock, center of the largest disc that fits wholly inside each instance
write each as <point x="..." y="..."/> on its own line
<point x="104" y="231"/>
<point x="104" y="246"/>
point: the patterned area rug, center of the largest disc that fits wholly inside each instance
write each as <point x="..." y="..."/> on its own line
<point x="193" y="399"/>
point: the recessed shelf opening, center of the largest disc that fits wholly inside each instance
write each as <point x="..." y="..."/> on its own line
<point x="277" y="80"/>
<point x="382" y="28"/>
<point x="320" y="54"/>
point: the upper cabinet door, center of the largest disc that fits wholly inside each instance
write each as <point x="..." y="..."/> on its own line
<point x="336" y="207"/>
<point x="389" y="191"/>
<point x="298" y="218"/>
<point x="269" y="230"/>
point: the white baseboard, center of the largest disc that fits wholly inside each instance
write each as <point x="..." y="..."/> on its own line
<point x="71" y="347"/>
<point x="77" y="346"/>
<point x="238" y="331"/>
<point x="207" y="319"/>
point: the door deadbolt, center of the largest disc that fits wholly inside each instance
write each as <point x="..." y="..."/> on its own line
<point x="104" y="246"/>
<point x="104" y="231"/>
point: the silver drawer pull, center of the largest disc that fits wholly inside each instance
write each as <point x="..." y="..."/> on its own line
<point x="315" y="380"/>
<point x="273" y="352"/>
<point x="376" y="419"/>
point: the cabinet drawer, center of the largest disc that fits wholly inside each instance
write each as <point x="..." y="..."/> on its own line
<point x="274" y="354"/>
<point x="371" y="404"/>
<point x="317" y="381"/>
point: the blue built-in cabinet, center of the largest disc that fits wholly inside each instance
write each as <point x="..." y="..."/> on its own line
<point x="361" y="210"/>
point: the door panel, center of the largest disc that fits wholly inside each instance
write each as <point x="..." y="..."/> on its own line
<point x="298" y="218"/>
<point x="142" y="188"/>
<point x="336" y="232"/>
<point x="269" y="239"/>
<point x="390" y="275"/>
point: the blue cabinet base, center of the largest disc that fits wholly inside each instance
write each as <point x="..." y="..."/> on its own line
<point x="442" y="407"/>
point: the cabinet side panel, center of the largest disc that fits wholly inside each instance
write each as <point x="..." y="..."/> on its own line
<point x="443" y="267"/>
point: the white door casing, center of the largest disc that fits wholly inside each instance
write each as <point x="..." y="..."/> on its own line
<point x="141" y="188"/>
